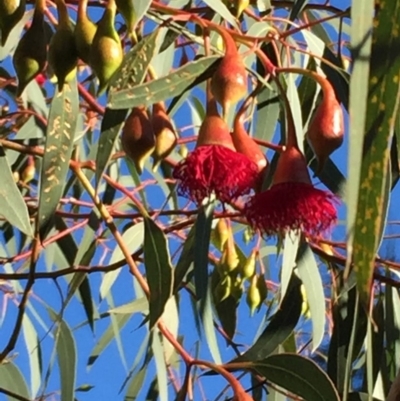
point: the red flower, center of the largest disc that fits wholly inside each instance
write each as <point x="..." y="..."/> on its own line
<point x="215" y="166"/>
<point x="218" y="169"/>
<point x="292" y="202"/>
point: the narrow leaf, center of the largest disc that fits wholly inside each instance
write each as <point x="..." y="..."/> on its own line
<point x="12" y="205"/>
<point x="382" y="108"/>
<point x="298" y="375"/>
<point x="163" y="88"/>
<point x="309" y="274"/>
<point x="60" y="135"/>
<point x="107" y="337"/>
<point x="202" y="244"/>
<point x="158" y="268"/>
<point x="67" y="361"/>
<point x="161" y="368"/>
<point x="361" y="16"/>
<point x="12" y="379"/>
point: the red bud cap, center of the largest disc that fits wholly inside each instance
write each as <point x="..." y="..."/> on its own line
<point x="229" y="82"/>
<point x="164" y="133"/>
<point x="246" y="145"/>
<point x="326" y="130"/>
<point x="214" y="130"/>
<point x="137" y="137"/>
<point x="291" y="167"/>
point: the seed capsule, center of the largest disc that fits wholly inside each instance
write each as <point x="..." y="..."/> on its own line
<point x="137" y="137"/>
<point x="11" y="12"/>
<point x="62" y="55"/>
<point x="164" y="132"/>
<point x="84" y="32"/>
<point x="30" y="56"/>
<point x="106" y="51"/>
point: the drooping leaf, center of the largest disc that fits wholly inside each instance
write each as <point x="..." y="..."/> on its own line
<point x="60" y="135"/>
<point x="138" y="305"/>
<point x="280" y="326"/>
<point x="33" y="350"/>
<point x="382" y="108"/>
<point x="185" y="259"/>
<point x="220" y="8"/>
<point x="12" y="205"/>
<point x="309" y="274"/>
<point x="161" y="368"/>
<point x="162" y="88"/>
<point x="158" y="268"/>
<point x="67" y="360"/>
<point x="12" y="379"/>
<point x="202" y="243"/>
<point x="298" y="375"/>
<point x="106" y="338"/>
<point x="360" y="40"/>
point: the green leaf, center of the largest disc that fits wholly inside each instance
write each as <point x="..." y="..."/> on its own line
<point x="268" y="108"/>
<point x="135" y="385"/>
<point x="67" y="361"/>
<point x="309" y="274"/>
<point x="130" y="74"/>
<point x="382" y="108"/>
<point x="171" y="321"/>
<point x="33" y="351"/>
<point x="12" y="379"/>
<point x="298" y="6"/>
<point x="158" y="268"/>
<point x="361" y="16"/>
<point x="138" y="305"/>
<point x="133" y="239"/>
<point x="346" y="313"/>
<point x="161" y="368"/>
<point x="107" y="337"/>
<point x="134" y="66"/>
<point x="162" y="88"/>
<point x="12" y="205"/>
<point x="202" y="244"/>
<point x="290" y="251"/>
<point x="298" y="375"/>
<point x="207" y="320"/>
<point x="60" y="135"/>
<point x="186" y="258"/>
<point x="220" y="8"/>
<point x="280" y="327"/>
<point x="111" y="125"/>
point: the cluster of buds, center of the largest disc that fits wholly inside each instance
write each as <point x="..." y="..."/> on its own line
<point x="232" y="271"/>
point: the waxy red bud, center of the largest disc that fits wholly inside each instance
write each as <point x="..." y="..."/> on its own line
<point x="326" y="130"/>
<point x="246" y="145"/>
<point x="229" y="82"/>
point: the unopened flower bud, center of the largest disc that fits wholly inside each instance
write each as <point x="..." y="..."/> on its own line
<point x="253" y="297"/>
<point x="248" y="269"/>
<point x="326" y="130"/>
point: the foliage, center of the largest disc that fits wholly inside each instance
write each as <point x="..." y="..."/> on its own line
<point x="222" y="302"/>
